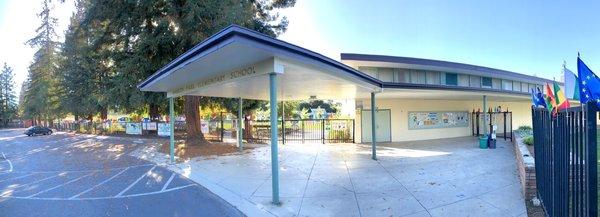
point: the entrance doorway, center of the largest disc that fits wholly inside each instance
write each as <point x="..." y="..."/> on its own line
<point x="383" y="125"/>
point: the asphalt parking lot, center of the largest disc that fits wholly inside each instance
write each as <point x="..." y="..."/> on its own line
<point x="82" y="175"/>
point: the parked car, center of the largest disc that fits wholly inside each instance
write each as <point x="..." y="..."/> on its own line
<point x="38" y="130"/>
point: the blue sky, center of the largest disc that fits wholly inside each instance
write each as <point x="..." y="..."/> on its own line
<point x="18" y="21"/>
<point x="529" y="37"/>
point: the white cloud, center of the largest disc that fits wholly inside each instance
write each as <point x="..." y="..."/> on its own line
<point x="18" y="22"/>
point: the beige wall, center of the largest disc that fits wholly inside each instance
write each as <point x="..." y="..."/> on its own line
<point x="400" y="108"/>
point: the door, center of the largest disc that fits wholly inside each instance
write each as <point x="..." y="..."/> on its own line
<point x="383" y="125"/>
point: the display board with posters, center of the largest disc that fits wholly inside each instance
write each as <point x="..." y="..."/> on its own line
<point x="444" y="119"/>
<point x="204" y="127"/>
<point x="164" y="129"/>
<point x="133" y="128"/>
<point x="149" y="126"/>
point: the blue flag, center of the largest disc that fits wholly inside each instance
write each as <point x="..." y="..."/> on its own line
<point x="589" y="84"/>
<point x="537" y="99"/>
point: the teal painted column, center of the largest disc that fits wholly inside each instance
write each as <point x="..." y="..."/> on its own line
<point x="172" y="136"/>
<point x="240" y="122"/>
<point x="373" y="128"/>
<point x="484" y="115"/>
<point x="274" y="149"/>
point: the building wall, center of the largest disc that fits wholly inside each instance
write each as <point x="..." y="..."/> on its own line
<point x="401" y="107"/>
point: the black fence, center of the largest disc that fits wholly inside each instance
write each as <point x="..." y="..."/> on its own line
<point x="17" y="124"/>
<point x="304" y="130"/>
<point x="215" y="129"/>
<point x="566" y="160"/>
<point x="503" y="121"/>
<point x="224" y="127"/>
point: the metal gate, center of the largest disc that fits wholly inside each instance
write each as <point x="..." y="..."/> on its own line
<point x="503" y="120"/>
<point x="566" y="160"/>
<point x="304" y="130"/>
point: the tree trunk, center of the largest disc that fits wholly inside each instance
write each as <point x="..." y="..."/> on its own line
<point x="103" y="113"/>
<point x="192" y="120"/>
<point x="153" y="112"/>
<point x="247" y="126"/>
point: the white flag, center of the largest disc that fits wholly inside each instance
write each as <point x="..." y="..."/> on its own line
<point x="571" y="84"/>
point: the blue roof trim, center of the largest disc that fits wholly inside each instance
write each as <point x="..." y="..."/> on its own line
<point x="449" y="87"/>
<point x="438" y="63"/>
<point x="234" y="30"/>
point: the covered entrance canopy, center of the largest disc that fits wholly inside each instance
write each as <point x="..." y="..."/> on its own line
<point x="236" y="62"/>
<point x="241" y="63"/>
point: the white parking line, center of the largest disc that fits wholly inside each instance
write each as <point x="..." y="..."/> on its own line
<point x="37" y="181"/>
<point x="101" y="183"/>
<point x="58" y="186"/>
<point x="84" y="171"/>
<point x="9" y="163"/>
<point x="168" y="181"/>
<point x="41" y="180"/>
<point x="18" y="177"/>
<point x="156" y="192"/>
<point x="136" y="181"/>
<point x="100" y="198"/>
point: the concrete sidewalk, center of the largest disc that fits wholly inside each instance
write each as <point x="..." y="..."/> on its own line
<point x="449" y="177"/>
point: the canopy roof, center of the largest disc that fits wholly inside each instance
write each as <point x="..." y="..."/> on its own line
<point x="235" y="61"/>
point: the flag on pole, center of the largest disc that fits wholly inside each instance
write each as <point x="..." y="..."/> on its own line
<point x="550" y="101"/>
<point x="571" y="84"/>
<point x="561" y="101"/>
<point x="537" y="99"/>
<point x="589" y="83"/>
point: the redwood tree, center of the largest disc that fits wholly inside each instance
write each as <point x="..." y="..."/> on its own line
<point x="197" y="20"/>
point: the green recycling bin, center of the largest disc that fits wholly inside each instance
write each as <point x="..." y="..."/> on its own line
<point x="483" y="142"/>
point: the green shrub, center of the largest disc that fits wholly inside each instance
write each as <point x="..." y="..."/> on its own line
<point x="524" y="128"/>
<point x="528" y="140"/>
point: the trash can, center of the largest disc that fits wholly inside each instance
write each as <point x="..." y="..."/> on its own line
<point x="492" y="143"/>
<point x="483" y="142"/>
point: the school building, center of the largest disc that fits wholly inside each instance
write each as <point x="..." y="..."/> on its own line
<point x="415" y="99"/>
<point x="431" y="99"/>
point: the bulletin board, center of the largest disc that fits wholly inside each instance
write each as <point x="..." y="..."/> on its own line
<point x="432" y="120"/>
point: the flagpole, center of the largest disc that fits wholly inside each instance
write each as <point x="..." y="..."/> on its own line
<point x="565" y="82"/>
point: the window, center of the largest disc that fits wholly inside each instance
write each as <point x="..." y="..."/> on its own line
<point x="371" y="71"/>
<point x="496" y="83"/>
<point x="402" y="75"/>
<point x="433" y="77"/>
<point x="507" y="85"/>
<point x="475" y="81"/>
<point x="417" y="77"/>
<point x="463" y="80"/>
<point x="386" y="74"/>
<point x="524" y="87"/>
<point x="486" y="82"/>
<point x="451" y="79"/>
<point x="516" y="86"/>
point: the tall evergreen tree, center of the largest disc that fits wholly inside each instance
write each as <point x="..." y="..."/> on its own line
<point x="80" y="68"/>
<point x="41" y="100"/>
<point x="8" y="99"/>
<point x="136" y="38"/>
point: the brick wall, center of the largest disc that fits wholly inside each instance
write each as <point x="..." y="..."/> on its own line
<point x="526" y="168"/>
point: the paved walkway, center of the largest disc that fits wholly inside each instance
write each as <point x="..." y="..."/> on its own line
<point x="84" y="175"/>
<point x="449" y="177"/>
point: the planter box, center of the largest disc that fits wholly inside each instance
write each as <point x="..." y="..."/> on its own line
<point x="525" y="167"/>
